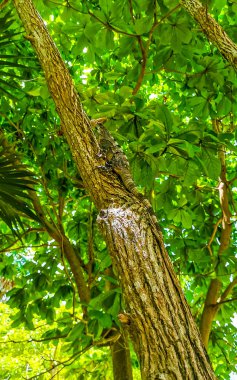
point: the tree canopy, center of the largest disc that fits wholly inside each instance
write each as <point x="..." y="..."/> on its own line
<point x="169" y="99"/>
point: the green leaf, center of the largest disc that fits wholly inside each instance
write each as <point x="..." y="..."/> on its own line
<point x="143" y="25"/>
<point x="156" y="148"/>
<point x="50" y="315"/>
<point x="191" y="173"/>
<point x="211" y="164"/>
<point x="175" y="215"/>
<point x="183" y="32"/>
<point x="18" y="321"/>
<point x="109" y="39"/>
<point x="91" y="30"/>
<point x="76" y="332"/>
<point x="186" y="219"/>
<point x="164" y="115"/>
<point x="224" y="106"/>
<point x="106" y="5"/>
<point x="162" y="57"/>
<point x="41" y="281"/>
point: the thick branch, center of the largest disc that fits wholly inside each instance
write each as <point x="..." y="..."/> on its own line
<point x="212" y="305"/>
<point x="210" y="310"/>
<point x="212" y="30"/>
<point x="75" y="124"/>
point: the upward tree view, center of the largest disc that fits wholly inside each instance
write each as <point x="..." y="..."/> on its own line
<point x="118" y="188"/>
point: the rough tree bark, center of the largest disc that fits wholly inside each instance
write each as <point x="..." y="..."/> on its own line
<point x="159" y="320"/>
<point x="214" y="32"/>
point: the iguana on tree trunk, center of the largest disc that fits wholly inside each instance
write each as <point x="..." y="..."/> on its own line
<point x="116" y="160"/>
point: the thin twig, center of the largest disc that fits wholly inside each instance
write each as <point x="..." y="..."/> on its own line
<point x="19" y="239"/>
<point x="213" y="235"/>
<point x="68" y="276"/>
<point x="33" y="339"/>
<point x="3" y="4"/>
<point x="109" y="26"/>
<point x="229" y="300"/>
<point x="131" y="11"/>
<point x="144" y="50"/>
<point x="228" y="290"/>
<point x="65" y="363"/>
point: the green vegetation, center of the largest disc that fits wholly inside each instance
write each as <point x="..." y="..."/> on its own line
<point x="170" y="101"/>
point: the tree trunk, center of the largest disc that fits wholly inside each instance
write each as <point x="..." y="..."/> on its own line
<point x="159" y="320"/>
<point x="162" y="329"/>
<point x="122" y="368"/>
<point x="120" y="351"/>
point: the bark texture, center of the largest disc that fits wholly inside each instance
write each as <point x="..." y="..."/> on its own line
<point x="162" y="329"/>
<point x="160" y="322"/>
<point x="214" y="32"/>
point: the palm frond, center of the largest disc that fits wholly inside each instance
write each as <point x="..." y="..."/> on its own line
<point x="11" y="58"/>
<point x="15" y="180"/>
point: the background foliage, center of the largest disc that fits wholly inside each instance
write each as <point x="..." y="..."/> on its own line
<point x="170" y="101"/>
